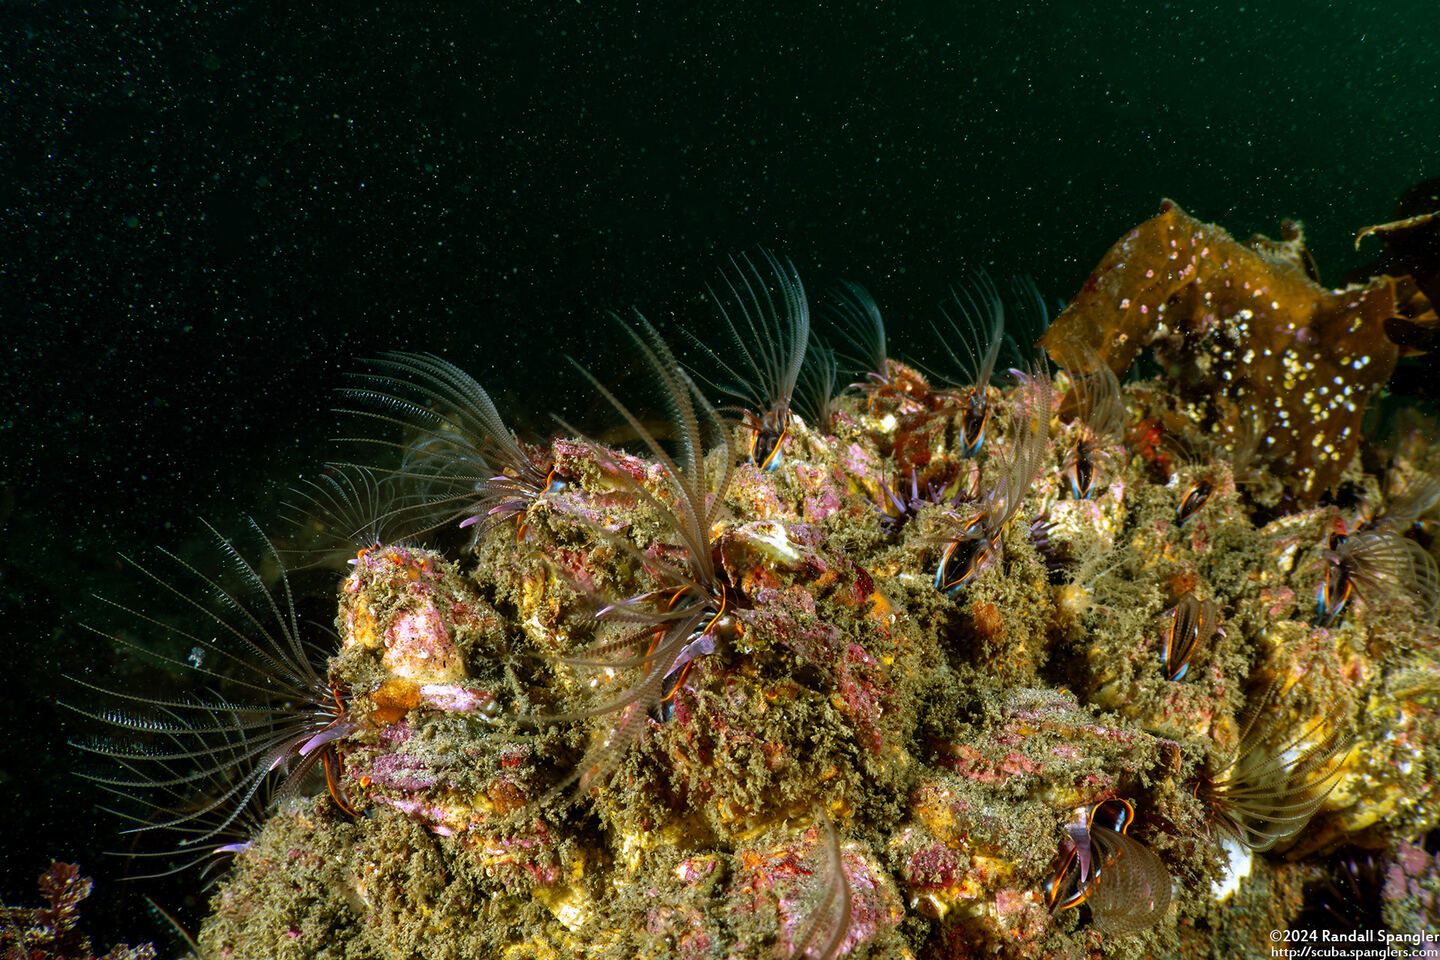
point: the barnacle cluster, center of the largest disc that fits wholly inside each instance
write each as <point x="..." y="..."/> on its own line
<point x="911" y="671"/>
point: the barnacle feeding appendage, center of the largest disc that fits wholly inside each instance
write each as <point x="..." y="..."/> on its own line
<point x="974" y="541"/>
<point x="1094" y="404"/>
<point x="815" y="393"/>
<point x="1274" y="782"/>
<point x="856" y="317"/>
<point x="1380" y="567"/>
<point x="979" y="333"/>
<point x="1124" y="883"/>
<point x="344" y="512"/>
<point x="824" y="931"/>
<point x="767" y="317"/>
<point x="467" y="466"/>
<point x="681" y="618"/>
<point x="200" y="759"/>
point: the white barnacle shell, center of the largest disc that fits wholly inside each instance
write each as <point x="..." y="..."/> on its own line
<point x="767" y="542"/>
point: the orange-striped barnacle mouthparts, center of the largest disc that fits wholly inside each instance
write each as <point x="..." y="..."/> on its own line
<point x="973" y="421"/>
<point x="1124" y="883"/>
<point x="976" y="337"/>
<point x="1195" y="498"/>
<point x="1187" y="625"/>
<point x="1080" y="469"/>
<point x="764" y="311"/>
<point x="964" y="558"/>
<point x="1384" y="569"/>
<point x="1337" y="586"/>
<point x="767" y="435"/>
<point x="1096" y="408"/>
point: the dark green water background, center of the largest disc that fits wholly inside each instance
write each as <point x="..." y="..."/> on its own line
<point x="209" y="211"/>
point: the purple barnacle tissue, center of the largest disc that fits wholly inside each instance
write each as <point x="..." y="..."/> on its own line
<point x="459" y="698"/>
<point x="397" y="771"/>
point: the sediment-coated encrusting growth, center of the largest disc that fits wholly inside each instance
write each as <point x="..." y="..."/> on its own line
<point x="711" y="703"/>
